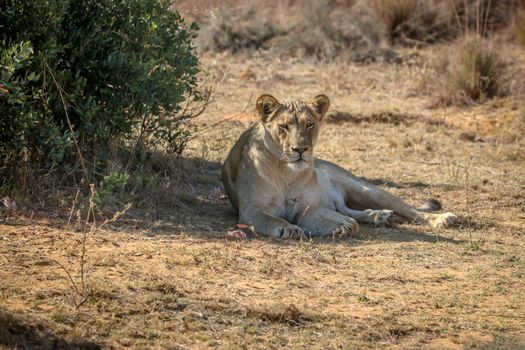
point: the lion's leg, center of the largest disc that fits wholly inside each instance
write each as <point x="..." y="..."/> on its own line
<point x="267" y="224"/>
<point x="369" y="216"/>
<point x="365" y="195"/>
<point x="324" y="222"/>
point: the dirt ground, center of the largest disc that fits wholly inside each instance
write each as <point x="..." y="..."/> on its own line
<point x="174" y="279"/>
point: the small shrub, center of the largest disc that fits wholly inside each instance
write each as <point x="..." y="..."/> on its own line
<point x="479" y="71"/>
<point x="482" y="17"/>
<point x="519" y="25"/>
<point x="473" y="74"/>
<point x="429" y="21"/>
<point x="316" y="34"/>
<point x="327" y="31"/>
<point x="416" y="22"/>
<point x="237" y="29"/>
<point x="394" y="14"/>
<point x="108" y="185"/>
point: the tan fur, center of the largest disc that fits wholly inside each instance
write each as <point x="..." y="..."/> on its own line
<point x="282" y="190"/>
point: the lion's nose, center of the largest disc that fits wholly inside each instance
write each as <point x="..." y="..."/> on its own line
<point x="300" y="150"/>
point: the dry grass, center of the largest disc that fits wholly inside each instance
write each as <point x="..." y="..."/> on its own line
<point x="334" y="31"/>
<point x="484" y="17"/>
<point x="323" y="29"/>
<point x="519" y="25"/>
<point x="316" y="35"/>
<point x="416" y="22"/>
<point x="169" y="277"/>
<point x="342" y="30"/>
<point x="237" y="29"/>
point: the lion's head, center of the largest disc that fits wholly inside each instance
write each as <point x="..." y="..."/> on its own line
<point x="292" y="127"/>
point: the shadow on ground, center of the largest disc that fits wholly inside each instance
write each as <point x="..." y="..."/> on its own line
<point x="199" y="207"/>
<point x="20" y="334"/>
<point x="207" y="213"/>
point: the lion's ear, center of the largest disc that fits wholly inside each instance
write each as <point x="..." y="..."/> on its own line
<point x="320" y="104"/>
<point x="266" y="105"/>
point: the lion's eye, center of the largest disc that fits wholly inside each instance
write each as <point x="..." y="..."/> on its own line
<point x="284" y="127"/>
<point x="310" y="126"/>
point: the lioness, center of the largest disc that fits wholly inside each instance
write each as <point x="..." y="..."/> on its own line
<point x="277" y="185"/>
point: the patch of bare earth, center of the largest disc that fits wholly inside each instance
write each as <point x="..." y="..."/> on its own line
<point x="176" y="281"/>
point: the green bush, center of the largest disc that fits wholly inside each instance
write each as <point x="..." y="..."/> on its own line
<point x="108" y="185"/>
<point x="77" y="76"/>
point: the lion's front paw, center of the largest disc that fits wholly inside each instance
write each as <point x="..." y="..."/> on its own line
<point x="443" y="220"/>
<point x="346" y="228"/>
<point x="286" y="232"/>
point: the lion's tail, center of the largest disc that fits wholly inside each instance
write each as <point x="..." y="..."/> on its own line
<point x="430" y="205"/>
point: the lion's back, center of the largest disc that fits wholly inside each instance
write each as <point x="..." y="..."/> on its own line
<point x="230" y="168"/>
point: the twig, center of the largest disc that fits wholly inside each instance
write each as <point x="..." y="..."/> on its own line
<point x="74" y="135"/>
<point x="115" y="217"/>
<point x="82" y="270"/>
<point x="225" y="119"/>
<point x="72" y="208"/>
<point x="298" y="222"/>
<point x="70" y="278"/>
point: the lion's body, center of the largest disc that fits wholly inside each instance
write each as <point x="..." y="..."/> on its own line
<point x="279" y="188"/>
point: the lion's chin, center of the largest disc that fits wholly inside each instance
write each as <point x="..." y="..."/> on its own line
<point x="298" y="165"/>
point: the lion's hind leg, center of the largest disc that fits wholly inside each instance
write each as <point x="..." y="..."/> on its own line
<point x="378" y="217"/>
<point x="365" y="195"/>
<point x="372" y="204"/>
